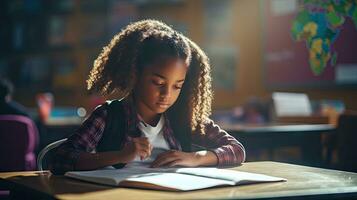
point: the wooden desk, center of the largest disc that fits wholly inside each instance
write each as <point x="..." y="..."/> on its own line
<point x="303" y="182"/>
<point x="271" y="137"/>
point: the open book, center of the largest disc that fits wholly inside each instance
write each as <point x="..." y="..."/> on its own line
<point x="171" y="179"/>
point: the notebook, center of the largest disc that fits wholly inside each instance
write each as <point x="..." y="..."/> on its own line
<point x="171" y="179"/>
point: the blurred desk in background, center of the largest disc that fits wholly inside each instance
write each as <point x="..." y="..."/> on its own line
<point x="62" y="122"/>
<point x="56" y="128"/>
<point x="272" y="137"/>
<point x="277" y="128"/>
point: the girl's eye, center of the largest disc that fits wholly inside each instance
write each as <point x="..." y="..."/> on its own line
<point x="157" y="83"/>
<point x="178" y="87"/>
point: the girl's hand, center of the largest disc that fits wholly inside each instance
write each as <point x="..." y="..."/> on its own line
<point x="174" y="158"/>
<point x="139" y="146"/>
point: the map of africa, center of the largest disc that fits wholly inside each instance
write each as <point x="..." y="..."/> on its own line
<point x="319" y="23"/>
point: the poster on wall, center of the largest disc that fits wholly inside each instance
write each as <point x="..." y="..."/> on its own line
<point x="310" y="43"/>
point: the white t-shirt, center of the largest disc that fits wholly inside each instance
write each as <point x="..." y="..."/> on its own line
<point x="156" y="139"/>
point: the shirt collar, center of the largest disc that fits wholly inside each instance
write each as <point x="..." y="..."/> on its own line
<point x="133" y="120"/>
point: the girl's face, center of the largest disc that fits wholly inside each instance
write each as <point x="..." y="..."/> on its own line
<point x="159" y="86"/>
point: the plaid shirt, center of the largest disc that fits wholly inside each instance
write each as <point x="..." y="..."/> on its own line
<point x="228" y="150"/>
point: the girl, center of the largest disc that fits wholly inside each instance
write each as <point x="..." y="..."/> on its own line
<point x="164" y="101"/>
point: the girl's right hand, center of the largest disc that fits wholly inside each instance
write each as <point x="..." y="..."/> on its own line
<point x="139" y="146"/>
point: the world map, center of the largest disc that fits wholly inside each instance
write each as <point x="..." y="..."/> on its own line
<point x="318" y="23"/>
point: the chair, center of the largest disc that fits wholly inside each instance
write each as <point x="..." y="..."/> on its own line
<point x="44" y="155"/>
<point x="18" y="141"/>
<point x="347" y="142"/>
<point x="344" y="141"/>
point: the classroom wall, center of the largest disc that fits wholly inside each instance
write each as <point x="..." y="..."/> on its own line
<point x="250" y="81"/>
<point x="247" y="36"/>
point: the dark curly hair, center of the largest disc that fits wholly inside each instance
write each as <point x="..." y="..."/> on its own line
<point x="143" y="43"/>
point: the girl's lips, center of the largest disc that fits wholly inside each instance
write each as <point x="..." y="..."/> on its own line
<point x="163" y="104"/>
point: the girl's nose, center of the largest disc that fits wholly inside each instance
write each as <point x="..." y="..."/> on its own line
<point x="165" y="92"/>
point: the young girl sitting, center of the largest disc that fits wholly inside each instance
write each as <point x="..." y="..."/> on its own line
<point x="164" y="90"/>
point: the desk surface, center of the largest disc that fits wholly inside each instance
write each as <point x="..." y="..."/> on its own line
<point x="302" y="181"/>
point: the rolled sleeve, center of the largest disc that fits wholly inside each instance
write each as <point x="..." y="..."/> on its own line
<point x="64" y="159"/>
<point x="85" y="139"/>
<point x="228" y="149"/>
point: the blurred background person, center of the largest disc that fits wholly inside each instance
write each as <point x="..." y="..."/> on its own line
<point x="7" y="105"/>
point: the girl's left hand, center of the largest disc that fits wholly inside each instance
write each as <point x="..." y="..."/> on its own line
<point x="174" y="158"/>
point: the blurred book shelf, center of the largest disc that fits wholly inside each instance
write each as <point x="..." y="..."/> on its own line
<point x="40" y="48"/>
<point x="50" y="46"/>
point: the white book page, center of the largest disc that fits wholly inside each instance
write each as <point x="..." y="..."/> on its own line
<point x="237" y="176"/>
<point x="159" y="176"/>
<point x="112" y="176"/>
<point x="184" y="178"/>
<point x="178" y="181"/>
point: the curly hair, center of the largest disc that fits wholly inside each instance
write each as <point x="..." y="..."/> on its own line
<point x="143" y="43"/>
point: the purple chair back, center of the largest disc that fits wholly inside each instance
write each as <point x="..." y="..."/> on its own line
<point x="18" y="140"/>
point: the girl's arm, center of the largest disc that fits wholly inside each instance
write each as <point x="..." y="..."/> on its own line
<point x="189" y="159"/>
<point x="223" y="150"/>
<point x="83" y="142"/>
<point x="91" y="161"/>
<point x="67" y="159"/>
<point x="75" y="153"/>
<point x="228" y="150"/>
<point x="205" y="158"/>
<point x="138" y="146"/>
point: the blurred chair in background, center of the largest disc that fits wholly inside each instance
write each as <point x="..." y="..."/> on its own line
<point x="45" y="156"/>
<point x="255" y="111"/>
<point x="7" y="105"/>
<point x="344" y="143"/>
<point x="18" y="141"/>
<point x="332" y="109"/>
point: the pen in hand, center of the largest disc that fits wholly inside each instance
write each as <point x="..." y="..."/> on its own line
<point x="142" y="147"/>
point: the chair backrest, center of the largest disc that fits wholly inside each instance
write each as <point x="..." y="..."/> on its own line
<point x="347" y="141"/>
<point x="45" y="154"/>
<point x="18" y="141"/>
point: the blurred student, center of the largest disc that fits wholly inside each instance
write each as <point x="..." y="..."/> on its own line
<point x="7" y="105"/>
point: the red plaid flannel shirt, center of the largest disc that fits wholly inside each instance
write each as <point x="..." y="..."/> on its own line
<point x="228" y="150"/>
